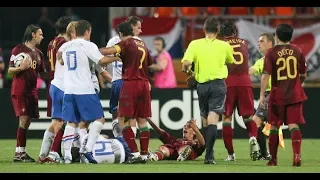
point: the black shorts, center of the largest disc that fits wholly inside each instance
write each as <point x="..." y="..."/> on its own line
<point x="211" y="96"/>
<point x="262" y="113"/>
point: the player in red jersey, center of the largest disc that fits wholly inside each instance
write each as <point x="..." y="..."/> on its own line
<point x="135" y="100"/>
<point x="24" y="93"/>
<point x="239" y="93"/>
<point x="53" y="135"/>
<point x="189" y="148"/>
<point x="286" y="65"/>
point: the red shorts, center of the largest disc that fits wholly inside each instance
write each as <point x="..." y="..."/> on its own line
<point x="173" y="150"/>
<point x="240" y="97"/>
<point x="287" y="114"/>
<point x="49" y="101"/>
<point x="135" y="99"/>
<point x="25" y="105"/>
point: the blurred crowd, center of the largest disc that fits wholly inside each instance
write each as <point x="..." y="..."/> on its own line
<point x="236" y="11"/>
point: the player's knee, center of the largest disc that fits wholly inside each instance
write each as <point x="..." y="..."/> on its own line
<point x="292" y="126"/>
<point x="24" y="122"/>
<point x="133" y="122"/>
<point x="165" y="151"/>
<point x="142" y="123"/>
<point x="257" y="120"/>
<point x="56" y="125"/>
<point x="226" y="118"/>
<point x="83" y="125"/>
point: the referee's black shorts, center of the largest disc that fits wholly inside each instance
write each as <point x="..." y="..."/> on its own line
<point x="211" y="96"/>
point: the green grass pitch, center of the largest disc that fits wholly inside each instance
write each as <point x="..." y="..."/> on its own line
<point x="310" y="161"/>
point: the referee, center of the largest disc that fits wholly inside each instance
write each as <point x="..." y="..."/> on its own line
<point x="209" y="56"/>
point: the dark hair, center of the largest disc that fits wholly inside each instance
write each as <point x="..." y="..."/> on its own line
<point x="27" y="36"/>
<point x="158" y="38"/>
<point x="284" y="32"/>
<point x="125" y="28"/>
<point x="211" y="25"/>
<point x="61" y="24"/>
<point x="133" y="20"/>
<point x="228" y="29"/>
<point x="269" y="37"/>
<point x="81" y="27"/>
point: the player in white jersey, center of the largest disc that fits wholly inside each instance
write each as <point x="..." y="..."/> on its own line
<point x="66" y="31"/>
<point x="117" y="78"/>
<point x="80" y="100"/>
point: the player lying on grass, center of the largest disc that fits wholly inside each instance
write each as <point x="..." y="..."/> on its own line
<point x="107" y="150"/>
<point x="189" y="148"/>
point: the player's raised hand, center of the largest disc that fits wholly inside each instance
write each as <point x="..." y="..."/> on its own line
<point x="193" y="124"/>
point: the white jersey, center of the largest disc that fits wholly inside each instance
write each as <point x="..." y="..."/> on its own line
<point x="108" y="150"/>
<point x="77" y="70"/>
<point x="58" y="72"/>
<point x="116" y="65"/>
<point x="95" y="67"/>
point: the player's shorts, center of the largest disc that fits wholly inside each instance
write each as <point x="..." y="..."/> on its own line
<point x="262" y="113"/>
<point x="57" y="102"/>
<point x="86" y="107"/>
<point x="174" y="152"/>
<point x="49" y="101"/>
<point x="135" y="99"/>
<point x="114" y="95"/>
<point x="211" y="95"/>
<point x="287" y="114"/>
<point x="240" y="97"/>
<point x="26" y="105"/>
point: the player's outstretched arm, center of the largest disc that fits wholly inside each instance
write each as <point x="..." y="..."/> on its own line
<point x="252" y="71"/>
<point x="195" y="128"/>
<point x="25" y="64"/>
<point x="155" y="127"/>
<point x="106" y="75"/>
<point x="108" y="59"/>
<point x="108" y="50"/>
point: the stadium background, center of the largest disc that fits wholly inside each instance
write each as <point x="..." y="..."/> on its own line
<point x="170" y="108"/>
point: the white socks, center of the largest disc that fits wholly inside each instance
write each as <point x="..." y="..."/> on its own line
<point x="94" y="133"/>
<point x="76" y="141"/>
<point x="68" y="137"/>
<point x="46" y="143"/>
<point x="82" y="133"/>
<point x="116" y="130"/>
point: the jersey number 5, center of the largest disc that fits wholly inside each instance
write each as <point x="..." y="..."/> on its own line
<point x="286" y="65"/>
<point x="71" y="60"/>
<point x="237" y="53"/>
<point x="142" y="57"/>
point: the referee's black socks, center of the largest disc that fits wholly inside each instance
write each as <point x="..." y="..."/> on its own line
<point x="210" y="137"/>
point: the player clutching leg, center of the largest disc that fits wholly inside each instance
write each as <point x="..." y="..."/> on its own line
<point x="189" y="148"/>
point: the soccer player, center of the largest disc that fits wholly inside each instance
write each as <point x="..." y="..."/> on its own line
<point x="239" y="93"/>
<point x="210" y="56"/>
<point x="286" y="65"/>
<point x="117" y="81"/>
<point x="135" y="100"/>
<point x="24" y="93"/>
<point x="80" y="100"/>
<point x="266" y="41"/>
<point x="56" y="92"/>
<point x="189" y="148"/>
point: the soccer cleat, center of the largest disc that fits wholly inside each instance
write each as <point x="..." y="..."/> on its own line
<point x="266" y="157"/>
<point x="54" y="156"/>
<point x="272" y="162"/>
<point x="231" y="157"/>
<point x="209" y="161"/>
<point x="254" y="148"/>
<point x="296" y="160"/>
<point x="67" y="160"/>
<point x="152" y="156"/>
<point x="89" y="157"/>
<point x="22" y="157"/>
<point x="45" y="160"/>
<point x="83" y="159"/>
<point x="184" y="153"/>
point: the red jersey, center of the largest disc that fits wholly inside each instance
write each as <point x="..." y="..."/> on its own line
<point x="25" y="82"/>
<point x="53" y="48"/>
<point x="166" y="138"/>
<point x="136" y="58"/>
<point x="238" y="71"/>
<point x="285" y="63"/>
